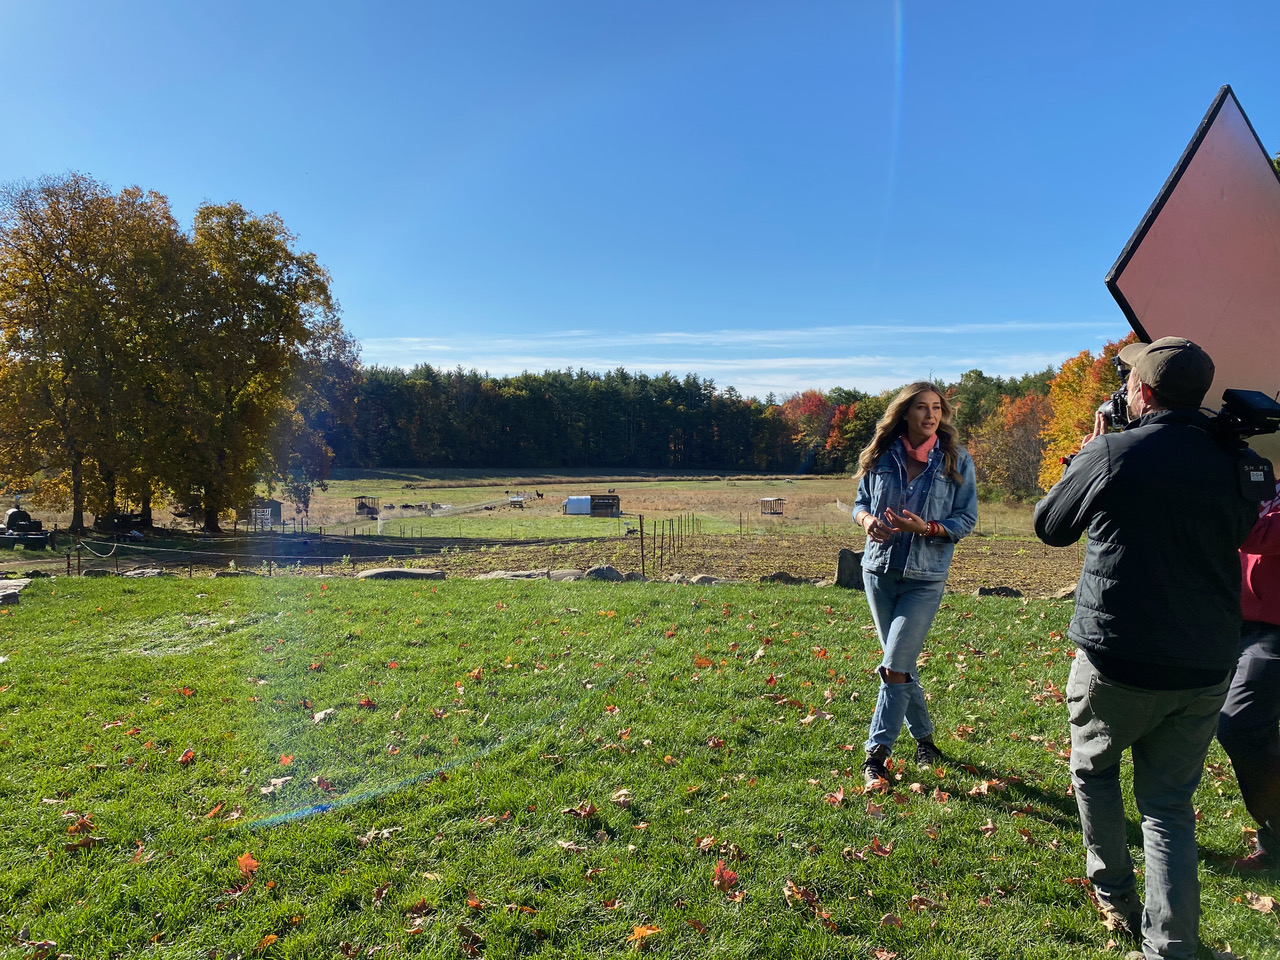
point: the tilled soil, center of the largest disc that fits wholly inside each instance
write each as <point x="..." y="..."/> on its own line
<point x="1029" y="567"/>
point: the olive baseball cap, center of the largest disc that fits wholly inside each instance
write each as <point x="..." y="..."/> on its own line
<point x="1177" y="369"/>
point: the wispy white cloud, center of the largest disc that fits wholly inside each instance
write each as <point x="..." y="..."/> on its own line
<point x="871" y="356"/>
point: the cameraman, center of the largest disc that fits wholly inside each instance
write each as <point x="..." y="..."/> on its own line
<point x="1157" y="624"/>
<point x="1249" y="728"/>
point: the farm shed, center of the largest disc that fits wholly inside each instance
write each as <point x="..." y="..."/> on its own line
<point x="595" y="505"/>
<point x="261" y="511"/>
<point x="772" y="505"/>
<point x="606" y="505"/>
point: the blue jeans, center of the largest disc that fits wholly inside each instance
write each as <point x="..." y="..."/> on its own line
<point x="1168" y="732"/>
<point x="903" y="610"/>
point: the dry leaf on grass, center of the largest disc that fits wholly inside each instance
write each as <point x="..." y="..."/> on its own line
<point x="1262" y="904"/>
<point x="640" y="932"/>
<point x="799" y="895"/>
<point x="621" y="798"/>
<point x="723" y="878"/>
<point x="582" y="811"/>
<point x="247" y="864"/>
<point x="988" y="829"/>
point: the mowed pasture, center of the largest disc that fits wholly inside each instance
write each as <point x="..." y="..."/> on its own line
<point x="722" y="530"/>
<point x="303" y="767"/>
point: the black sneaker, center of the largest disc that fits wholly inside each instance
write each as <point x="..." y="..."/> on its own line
<point x="928" y="755"/>
<point x="874" y="769"/>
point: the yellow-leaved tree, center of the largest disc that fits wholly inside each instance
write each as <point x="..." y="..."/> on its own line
<point x="1082" y="384"/>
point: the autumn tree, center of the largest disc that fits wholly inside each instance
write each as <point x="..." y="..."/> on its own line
<point x="267" y="324"/>
<point x="1007" y="448"/>
<point x="1082" y="384"/>
<point x="89" y="285"/>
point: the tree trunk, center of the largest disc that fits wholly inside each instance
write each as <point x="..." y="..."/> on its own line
<point x="77" y="495"/>
<point x="146" y="506"/>
<point x="211" y="510"/>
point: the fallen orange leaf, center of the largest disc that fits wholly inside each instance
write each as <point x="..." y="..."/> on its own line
<point x="638" y="933"/>
<point x="187" y="756"/>
<point x="247" y="864"/>
<point x="286" y="759"/>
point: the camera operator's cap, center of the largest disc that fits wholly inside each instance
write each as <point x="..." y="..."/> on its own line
<point x="1177" y="369"/>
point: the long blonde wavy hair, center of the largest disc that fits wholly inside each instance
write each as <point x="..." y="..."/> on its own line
<point x="894" y="424"/>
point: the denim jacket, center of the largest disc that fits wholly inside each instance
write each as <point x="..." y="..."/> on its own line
<point x="953" y="505"/>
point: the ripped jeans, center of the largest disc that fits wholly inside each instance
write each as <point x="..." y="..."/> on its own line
<point x="903" y="610"/>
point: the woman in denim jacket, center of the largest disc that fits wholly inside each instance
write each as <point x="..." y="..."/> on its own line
<point x="916" y="498"/>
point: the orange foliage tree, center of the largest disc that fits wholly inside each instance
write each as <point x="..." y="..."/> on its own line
<point x="816" y="423"/>
<point x="1008" y="446"/>
<point x="1082" y="384"/>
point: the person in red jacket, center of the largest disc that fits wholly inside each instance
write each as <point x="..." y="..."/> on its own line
<point x="1249" y="726"/>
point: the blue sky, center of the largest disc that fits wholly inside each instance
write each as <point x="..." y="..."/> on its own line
<point x="773" y="195"/>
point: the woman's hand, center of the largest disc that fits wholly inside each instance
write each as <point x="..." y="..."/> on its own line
<point x="906" y="521"/>
<point x="876" y="529"/>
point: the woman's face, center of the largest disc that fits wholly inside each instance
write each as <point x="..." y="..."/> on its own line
<point x="923" y="417"/>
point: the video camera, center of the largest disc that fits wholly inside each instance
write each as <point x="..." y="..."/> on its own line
<point x="1244" y="413"/>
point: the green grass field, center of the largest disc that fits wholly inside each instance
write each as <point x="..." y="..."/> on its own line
<point x="315" y="768"/>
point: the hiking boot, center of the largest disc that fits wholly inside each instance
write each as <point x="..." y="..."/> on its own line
<point x="873" y="768"/>
<point x="927" y="754"/>
<point x="1123" y="915"/>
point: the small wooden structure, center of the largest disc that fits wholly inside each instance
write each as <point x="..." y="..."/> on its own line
<point x="772" y="505"/>
<point x="262" y="512"/>
<point x="595" y="505"/>
<point x="367" y="506"/>
<point x="606" y="505"/>
<point x="517" y="502"/>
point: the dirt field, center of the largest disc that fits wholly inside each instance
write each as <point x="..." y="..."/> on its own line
<point x="1031" y="568"/>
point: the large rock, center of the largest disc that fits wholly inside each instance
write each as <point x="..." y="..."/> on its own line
<point x="704" y="580"/>
<point x="1066" y="593"/>
<point x="400" y="573"/>
<point x="782" y="577"/>
<point x="567" y="575"/>
<point x="219" y="574"/>
<point x="997" y="592"/>
<point x="542" y="574"/>
<point x="143" y="572"/>
<point x="849" y="570"/>
<point x="605" y="572"/>
<point x="635" y="576"/>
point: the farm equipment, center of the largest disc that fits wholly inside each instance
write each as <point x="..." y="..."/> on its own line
<point x="19" y="528"/>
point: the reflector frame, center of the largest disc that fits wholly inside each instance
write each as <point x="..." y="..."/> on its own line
<point x="1204" y="262"/>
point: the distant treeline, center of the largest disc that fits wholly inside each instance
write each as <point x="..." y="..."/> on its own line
<point x="458" y="418"/>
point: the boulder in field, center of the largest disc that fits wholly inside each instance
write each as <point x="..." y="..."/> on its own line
<point x="782" y="577"/>
<point x="143" y="572"/>
<point x="704" y="580"/>
<point x="635" y="576"/>
<point x="605" y="572"/>
<point x="1066" y="593"/>
<point x="400" y="573"/>
<point x="849" y="570"/>
<point x="567" y="576"/>
<point x="997" y="592"/>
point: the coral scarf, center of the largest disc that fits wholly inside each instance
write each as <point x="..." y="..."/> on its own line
<point x="920" y="453"/>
